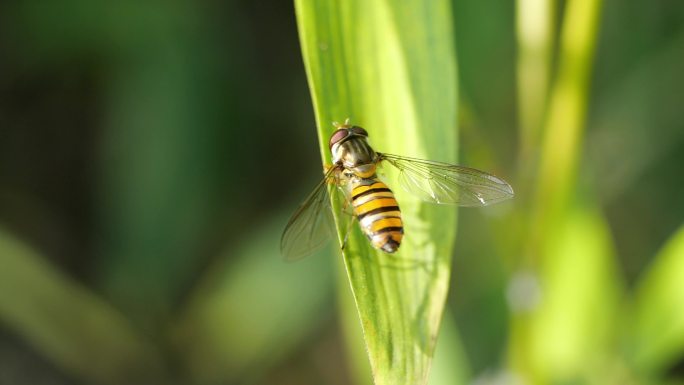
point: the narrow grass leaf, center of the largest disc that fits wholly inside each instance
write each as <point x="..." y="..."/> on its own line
<point x="66" y="323"/>
<point x="657" y="335"/>
<point x="390" y="67"/>
<point x="565" y="122"/>
<point x="357" y="359"/>
<point x="572" y="329"/>
<point x="534" y="24"/>
<point x="252" y="309"/>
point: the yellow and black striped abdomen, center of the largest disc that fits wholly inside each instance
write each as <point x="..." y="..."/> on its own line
<point x="378" y="213"/>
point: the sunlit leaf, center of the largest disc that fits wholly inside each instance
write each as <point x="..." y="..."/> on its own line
<point x="359" y="367"/>
<point x="389" y="66"/>
<point x="573" y="326"/>
<point x="657" y="337"/>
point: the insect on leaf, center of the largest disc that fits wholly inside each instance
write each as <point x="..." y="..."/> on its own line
<point x="390" y="67"/>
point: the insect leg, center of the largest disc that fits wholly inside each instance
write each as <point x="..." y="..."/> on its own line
<point x="346" y="235"/>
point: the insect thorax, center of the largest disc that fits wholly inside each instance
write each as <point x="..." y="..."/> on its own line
<point x="356" y="156"/>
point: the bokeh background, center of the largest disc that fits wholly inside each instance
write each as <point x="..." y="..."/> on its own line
<point x="151" y="153"/>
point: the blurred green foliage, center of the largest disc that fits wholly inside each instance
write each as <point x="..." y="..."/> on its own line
<point x="151" y="151"/>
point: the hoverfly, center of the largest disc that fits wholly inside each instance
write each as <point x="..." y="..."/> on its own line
<point x="372" y="203"/>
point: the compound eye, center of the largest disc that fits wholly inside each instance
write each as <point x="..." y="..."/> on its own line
<point x="337" y="136"/>
<point x="359" y="131"/>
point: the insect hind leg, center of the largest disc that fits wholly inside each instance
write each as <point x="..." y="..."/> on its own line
<point x="349" y="230"/>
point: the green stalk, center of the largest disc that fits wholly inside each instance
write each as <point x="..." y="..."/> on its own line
<point x="564" y="125"/>
<point x="558" y="225"/>
<point x="390" y="67"/>
<point x="534" y="25"/>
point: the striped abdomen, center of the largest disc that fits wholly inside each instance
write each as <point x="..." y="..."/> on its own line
<point x="378" y="214"/>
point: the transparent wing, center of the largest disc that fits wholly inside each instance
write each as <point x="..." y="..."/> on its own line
<point x="445" y="183"/>
<point x="312" y="225"/>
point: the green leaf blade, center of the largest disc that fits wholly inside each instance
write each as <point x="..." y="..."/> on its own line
<point x="391" y="68"/>
<point x="250" y="311"/>
<point x="572" y="328"/>
<point x="656" y="337"/>
<point x="68" y="324"/>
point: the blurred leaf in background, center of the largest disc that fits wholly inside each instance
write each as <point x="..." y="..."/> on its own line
<point x="253" y="311"/>
<point x="656" y="330"/>
<point x="68" y="324"/>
